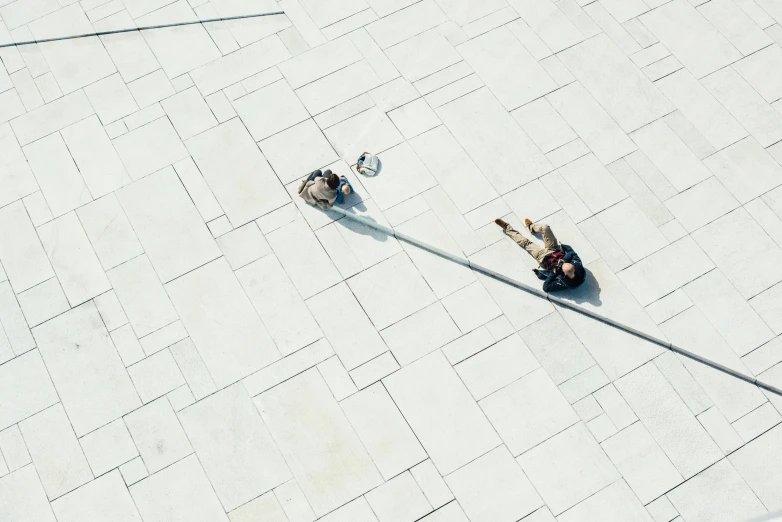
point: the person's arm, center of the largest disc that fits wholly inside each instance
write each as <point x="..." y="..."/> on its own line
<point x="551" y="284"/>
<point x="571" y="257"/>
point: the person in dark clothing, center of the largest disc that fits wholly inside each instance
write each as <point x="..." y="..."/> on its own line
<point x="560" y="266"/>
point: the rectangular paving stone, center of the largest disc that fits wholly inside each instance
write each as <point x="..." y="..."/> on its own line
<point x="287" y="156"/>
<point x="303" y="258"/>
<point x="15" y="327"/>
<point x="702" y="204"/>
<point x="371" y="129"/>
<point x="109" y="231"/>
<point x="286" y="317"/>
<point x="95" y="157"/>
<point x="25" y="389"/>
<point x="356" y="346"/>
<point x="238" y="65"/>
<point x="189" y="113"/>
<point x="420" y="333"/>
<point x="406" y="23"/>
<point x="73" y="259"/>
<point x="678" y="433"/>
<point x="108" y="447"/>
<point x="746" y="169"/>
<point x="674" y="159"/>
<point x="143" y="297"/>
<point x="709" y="116"/>
<point x="149" y="148"/>
<point x="129" y="51"/>
<point x="567" y="468"/>
<point x="339" y="87"/>
<point x="513" y="75"/>
<point x="422" y="55"/>
<point x="690" y="37"/>
<point x="593" y="183"/>
<point x="74" y="64"/>
<point x="16" y="177"/>
<point x="319" y="62"/>
<point x="497" y="367"/>
<point x="734" y="397"/>
<point x="754" y="461"/>
<point x="103" y="500"/>
<point x="718" y="240"/>
<point x="322" y="475"/>
<point x="746" y="105"/>
<point x="632" y="229"/>
<point x="383" y="430"/>
<point x="21" y="252"/>
<point x="717" y="494"/>
<point x="240" y="177"/>
<point x="506" y="155"/>
<point x="270" y="110"/>
<point x="179" y="492"/>
<point x="438" y="407"/>
<point x="613" y="503"/>
<point x="627" y="95"/>
<point x="55" y="451"/>
<point x="22" y="496"/>
<point x="740" y="326"/>
<point x="224" y="326"/>
<point x="493" y="488"/>
<point x="666" y="270"/>
<point x="391" y="290"/>
<point x="643" y="465"/>
<point x="543" y="124"/>
<point x="174" y="239"/>
<point x="234" y="446"/>
<point x="178" y="49"/>
<point x="57" y="174"/>
<point x="90" y="377"/>
<point x="737" y="26"/>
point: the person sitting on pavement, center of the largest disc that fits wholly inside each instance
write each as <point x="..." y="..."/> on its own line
<point x="323" y="189"/>
<point x="560" y="266"/>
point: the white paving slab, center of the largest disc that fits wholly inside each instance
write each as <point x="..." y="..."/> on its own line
<point x="77" y="344"/>
<point x="178" y="493"/>
<point x="678" y="433"/>
<point x="512" y="74"/>
<point x="234" y="446"/>
<point x="627" y="95"/>
<point x="242" y="180"/>
<point x="172" y="240"/>
<point x="690" y="37"/>
<point x="222" y="322"/>
<point x="568" y="468"/>
<point x="342" y="468"/>
<point x="493" y="487"/>
<point x="503" y="152"/>
<point x="448" y="422"/>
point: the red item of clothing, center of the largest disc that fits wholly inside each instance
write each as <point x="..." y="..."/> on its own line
<point x="553" y="259"/>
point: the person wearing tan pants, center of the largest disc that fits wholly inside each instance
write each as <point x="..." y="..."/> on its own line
<point x="560" y="266"/>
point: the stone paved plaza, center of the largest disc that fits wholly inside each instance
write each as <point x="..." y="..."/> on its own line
<point x="183" y="339"/>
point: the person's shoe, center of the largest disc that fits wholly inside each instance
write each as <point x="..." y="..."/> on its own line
<point x="502" y="224"/>
<point x="528" y="224"/>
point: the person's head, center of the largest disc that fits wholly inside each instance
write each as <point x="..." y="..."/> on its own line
<point x="332" y="180"/>
<point x="574" y="274"/>
<point x="346" y="189"/>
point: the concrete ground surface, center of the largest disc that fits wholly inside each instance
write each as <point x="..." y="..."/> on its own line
<point x="184" y="340"/>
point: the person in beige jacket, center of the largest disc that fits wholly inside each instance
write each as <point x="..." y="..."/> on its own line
<point x="320" y="189"/>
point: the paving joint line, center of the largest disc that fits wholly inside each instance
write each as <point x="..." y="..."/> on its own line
<point x="558" y="301"/>
<point x="143" y="28"/>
